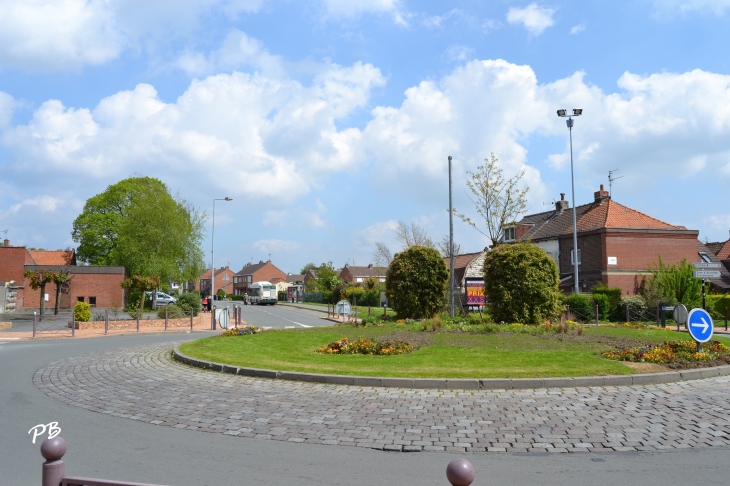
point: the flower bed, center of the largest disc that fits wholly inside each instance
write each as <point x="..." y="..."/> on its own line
<point x="240" y="331"/>
<point x="367" y="346"/>
<point x="668" y="352"/>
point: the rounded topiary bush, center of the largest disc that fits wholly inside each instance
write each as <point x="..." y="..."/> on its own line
<point x="521" y="284"/>
<point x="416" y="283"/>
<point x="82" y="312"/>
<point x="190" y="302"/>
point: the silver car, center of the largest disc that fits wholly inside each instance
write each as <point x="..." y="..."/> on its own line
<point x="162" y="298"/>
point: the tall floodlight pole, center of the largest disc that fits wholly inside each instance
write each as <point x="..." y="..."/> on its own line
<point x="451" y="248"/>
<point x="212" y="263"/>
<point x="569" y="121"/>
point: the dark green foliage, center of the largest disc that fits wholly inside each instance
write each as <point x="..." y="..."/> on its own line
<point x="190" y="302"/>
<point x="416" y="283"/>
<point x="605" y="309"/>
<point x="673" y="284"/>
<point x="580" y="303"/>
<point x="173" y="312"/>
<point x="721" y="304"/>
<point x="613" y="293"/>
<point x="521" y="284"/>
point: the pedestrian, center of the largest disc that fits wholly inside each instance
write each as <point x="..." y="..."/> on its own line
<point x="210" y="302"/>
<point x="205" y="304"/>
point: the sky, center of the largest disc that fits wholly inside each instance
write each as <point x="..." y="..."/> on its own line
<point x="327" y="121"/>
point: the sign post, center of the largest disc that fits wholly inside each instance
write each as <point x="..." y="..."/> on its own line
<point x="343" y="308"/>
<point x="700" y="327"/>
<point x="384" y="303"/>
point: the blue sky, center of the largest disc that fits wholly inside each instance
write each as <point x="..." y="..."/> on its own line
<point x="328" y="121"/>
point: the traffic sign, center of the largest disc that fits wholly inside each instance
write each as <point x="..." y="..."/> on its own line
<point x="707" y="265"/>
<point x="699" y="325"/>
<point x="680" y="314"/>
<point x="343" y="308"/>
<point x="706" y="273"/>
<point x="223" y="317"/>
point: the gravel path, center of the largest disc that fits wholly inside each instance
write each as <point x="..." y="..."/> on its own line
<point x="143" y="383"/>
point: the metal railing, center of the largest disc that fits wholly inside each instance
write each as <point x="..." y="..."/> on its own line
<point x="582" y="315"/>
<point x="52" y="327"/>
<point x="459" y="472"/>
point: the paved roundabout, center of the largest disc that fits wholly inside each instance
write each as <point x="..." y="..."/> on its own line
<point x="144" y="383"/>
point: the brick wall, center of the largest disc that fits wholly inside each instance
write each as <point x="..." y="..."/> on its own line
<point x="12" y="267"/>
<point x="220" y="283"/>
<point x="105" y="287"/>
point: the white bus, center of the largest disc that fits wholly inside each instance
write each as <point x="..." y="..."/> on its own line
<point x="262" y="293"/>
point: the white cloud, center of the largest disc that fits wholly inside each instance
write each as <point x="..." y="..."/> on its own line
<point x="271" y="137"/>
<point x="716" y="7"/>
<point x="275" y="246"/>
<point x="51" y="35"/>
<point x="460" y="53"/>
<point x="577" y="29"/>
<point x="7" y="106"/>
<point x="355" y="8"/>
<point x="237" y="51"/>
<point x="533" y="17"/>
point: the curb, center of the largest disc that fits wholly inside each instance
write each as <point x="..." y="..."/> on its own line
<point x="462" y="383"/>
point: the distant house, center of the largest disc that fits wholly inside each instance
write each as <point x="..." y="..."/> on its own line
<point x="223" y="280"/>
<point x="467" y="265"/>
<point x="256" y="272"/>
<point x="616" y="243"/>
<point x="357" y="275"/>
<point x="95" y="285"/>
<point x="718" y="252"/>
<point x="295" y="291"/>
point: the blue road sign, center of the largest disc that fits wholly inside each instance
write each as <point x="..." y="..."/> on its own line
<point x="699" y="324"/>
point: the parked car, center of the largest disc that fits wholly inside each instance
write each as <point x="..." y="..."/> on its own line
<point x="162" y="298"/>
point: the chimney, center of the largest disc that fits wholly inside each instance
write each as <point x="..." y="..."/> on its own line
<point x="6" y="242"/>
<point x="561" y="205"/>
<point x="601" y="195"/>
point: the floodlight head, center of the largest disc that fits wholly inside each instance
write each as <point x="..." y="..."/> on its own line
<point x="228" y="199"/>
<point x="577" y="111"/>
<point x="562" y="113"/>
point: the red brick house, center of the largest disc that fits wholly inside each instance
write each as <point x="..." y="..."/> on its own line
<point x="356" y="275"/>
<point x="718" y="252"/>
<point x="467" y="265"/>
<point x="616" y="243"/>
<point x="256" y="272"/>
<point x="95" y="285"/>
<point x="223" y="280"/>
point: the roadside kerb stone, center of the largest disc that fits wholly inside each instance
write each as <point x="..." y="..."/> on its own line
<point x="451" y="383"/>
<point x="145" y="384"/>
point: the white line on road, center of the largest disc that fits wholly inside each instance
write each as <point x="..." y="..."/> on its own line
<point x="284" y="318"/>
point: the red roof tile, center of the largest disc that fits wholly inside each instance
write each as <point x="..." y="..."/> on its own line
<point x="53" y="257"/>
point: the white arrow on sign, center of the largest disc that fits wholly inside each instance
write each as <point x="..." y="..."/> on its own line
<point x="704" y="325"/>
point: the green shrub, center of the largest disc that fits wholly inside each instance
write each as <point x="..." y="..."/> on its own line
<point x="605" y="309"/>
<point x="721" y="305"/>
<point x="82" y="312"/>
<point x="173" y="312"/>
<point x="416" y="283"/>
<point x="190" y="302"/>
<point x="521" y="284"/>
<point x="580" y="303"/>
<point x="635" y="303"/>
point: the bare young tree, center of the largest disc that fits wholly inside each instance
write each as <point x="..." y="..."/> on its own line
<point x="412" y="235"/>
<point x="444" y="247"/>
<point x="382" y="255"/>
<point x="498" y="201"/>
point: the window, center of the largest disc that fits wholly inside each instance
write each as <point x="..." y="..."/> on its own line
<point x="705" y="257"/>
<point x="92" y="301"/>
<point x="79" y="299"/>
<point x="509" y="233"/>
<point x="226" y="277"/>
<point x="572" y="257"/>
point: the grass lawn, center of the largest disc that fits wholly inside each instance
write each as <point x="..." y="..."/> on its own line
<point x="440" y="354"/>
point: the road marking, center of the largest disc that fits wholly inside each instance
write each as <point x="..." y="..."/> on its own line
<point x="284" y="318"/>
<point x="9" y="339"/>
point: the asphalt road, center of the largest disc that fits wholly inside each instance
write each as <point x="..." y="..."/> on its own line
<point x="280" y="316"/>
<point x="114" y="448"/>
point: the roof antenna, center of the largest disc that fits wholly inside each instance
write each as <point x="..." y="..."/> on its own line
<point x="611" y="178"/>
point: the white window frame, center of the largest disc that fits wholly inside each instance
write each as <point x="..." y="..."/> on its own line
<point x="513" y="230"/>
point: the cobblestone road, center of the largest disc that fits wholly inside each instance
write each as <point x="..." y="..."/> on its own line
<point x="143" y="383"/>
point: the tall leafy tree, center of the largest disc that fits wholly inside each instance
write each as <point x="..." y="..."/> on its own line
<point x="141" y="284"/>
<point x="136" y="223"/>
<point x="499" y="201"/>
<point x="96" y="229"/>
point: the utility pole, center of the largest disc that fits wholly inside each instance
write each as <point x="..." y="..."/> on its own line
<point x="451" y="248"/>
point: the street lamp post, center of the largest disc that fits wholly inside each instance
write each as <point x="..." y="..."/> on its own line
<point x="212" y="263"/>
<point x="451" y="248"/>
<point x="569" y="122"/>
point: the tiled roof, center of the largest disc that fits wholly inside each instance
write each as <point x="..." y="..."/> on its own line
<point x="460" y="264"/>
<point x="251" y="268"/>
<point x="218" y="271"/>
<point x="720" y="248"/>
<point x="367" y="271"/>
<point x="724" y="281"/>
<point x="291" y="278"/>
<point x="53" y="257"/>
<point x="591" y="217"/>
